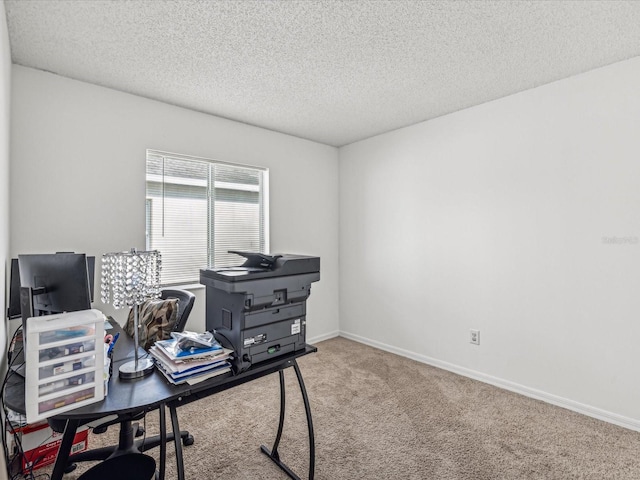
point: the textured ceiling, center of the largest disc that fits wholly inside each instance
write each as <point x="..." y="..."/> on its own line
<point x="330" y="71"/>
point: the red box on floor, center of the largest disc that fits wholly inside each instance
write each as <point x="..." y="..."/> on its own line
<point x="40" y="444"/>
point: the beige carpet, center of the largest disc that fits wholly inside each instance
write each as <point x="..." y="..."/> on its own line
<point x="381" y="416"/>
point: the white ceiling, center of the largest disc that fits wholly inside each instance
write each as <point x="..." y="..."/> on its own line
<point x="330" y="71"/>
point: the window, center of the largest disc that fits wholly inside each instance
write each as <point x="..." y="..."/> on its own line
<point x="198" y="209"/>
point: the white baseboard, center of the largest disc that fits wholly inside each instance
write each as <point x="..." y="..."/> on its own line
<point x="588" y="410"/>
<point x="326" y="336"/>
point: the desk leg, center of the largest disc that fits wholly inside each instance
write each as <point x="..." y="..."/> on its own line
<point x="274" y="450"/>
<point x="163" y="442"/>
<point x="65" y="449"/>
<point x="307" y="410"/>
<point x="177" y="441"/>
<point x="273" y="453"/>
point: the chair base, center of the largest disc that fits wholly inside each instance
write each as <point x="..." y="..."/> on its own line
<point x="126" y="446"/>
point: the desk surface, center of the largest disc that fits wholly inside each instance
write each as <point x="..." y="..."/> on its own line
<point x="151" y="391"/>
<point x="124" y="395"/>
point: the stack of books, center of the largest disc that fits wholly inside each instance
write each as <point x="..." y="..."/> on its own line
<point x="191" y="366"/>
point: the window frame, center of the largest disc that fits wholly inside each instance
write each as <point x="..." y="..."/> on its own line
<point x="211" y="185"/>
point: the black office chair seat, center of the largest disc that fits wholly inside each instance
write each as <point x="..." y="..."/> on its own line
<point x="133" y="466"/>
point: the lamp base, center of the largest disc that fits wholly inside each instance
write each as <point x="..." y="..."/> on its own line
<point x="130" y="370"/>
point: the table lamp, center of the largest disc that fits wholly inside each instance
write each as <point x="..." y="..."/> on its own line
<point x="128" y="279"/>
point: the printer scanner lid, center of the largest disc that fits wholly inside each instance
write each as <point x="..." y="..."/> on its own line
<point x="259" y="265"/>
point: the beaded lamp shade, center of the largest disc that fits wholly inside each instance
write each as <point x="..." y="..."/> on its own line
<point x="128" y="279"/>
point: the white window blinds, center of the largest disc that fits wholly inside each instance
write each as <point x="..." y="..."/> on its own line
<point x="198" y="209"/>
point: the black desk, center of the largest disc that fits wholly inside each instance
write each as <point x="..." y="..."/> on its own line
<point x="154" y="392"/>
<point x="207" y="388"/>
<point x="125" y="396"/>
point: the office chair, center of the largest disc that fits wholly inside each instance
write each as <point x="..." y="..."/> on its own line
<point x="186" y="300"/>
<point x="129" y="430"/>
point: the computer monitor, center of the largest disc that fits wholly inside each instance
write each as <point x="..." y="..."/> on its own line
<point x="91" y="265"/>
<point x="58" y="282"/>
<point x="49" y="283"/>
<point x="14" y="310"/>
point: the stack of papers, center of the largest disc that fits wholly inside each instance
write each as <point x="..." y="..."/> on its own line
<point x="190" y="366"/>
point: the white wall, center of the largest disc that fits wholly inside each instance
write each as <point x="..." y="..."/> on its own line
<point x="5" y="101"/>
<point x="78" y="177"/>
<point x="495" y="218"/>
<point x="520" y="218"/>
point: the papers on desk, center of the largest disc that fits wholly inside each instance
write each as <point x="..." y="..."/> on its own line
<point x="170" y="347"/>
<point x="190" y="366"/>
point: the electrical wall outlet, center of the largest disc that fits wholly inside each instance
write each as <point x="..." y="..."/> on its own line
<point x="475" y="337"/>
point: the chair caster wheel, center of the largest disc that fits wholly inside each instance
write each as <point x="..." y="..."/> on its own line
<point x="188" y="440"/>
<point x="139" y="431"/>
<point x="70" y="468"/>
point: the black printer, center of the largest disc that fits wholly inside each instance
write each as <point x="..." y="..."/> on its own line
<point x="258" y="309"/>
